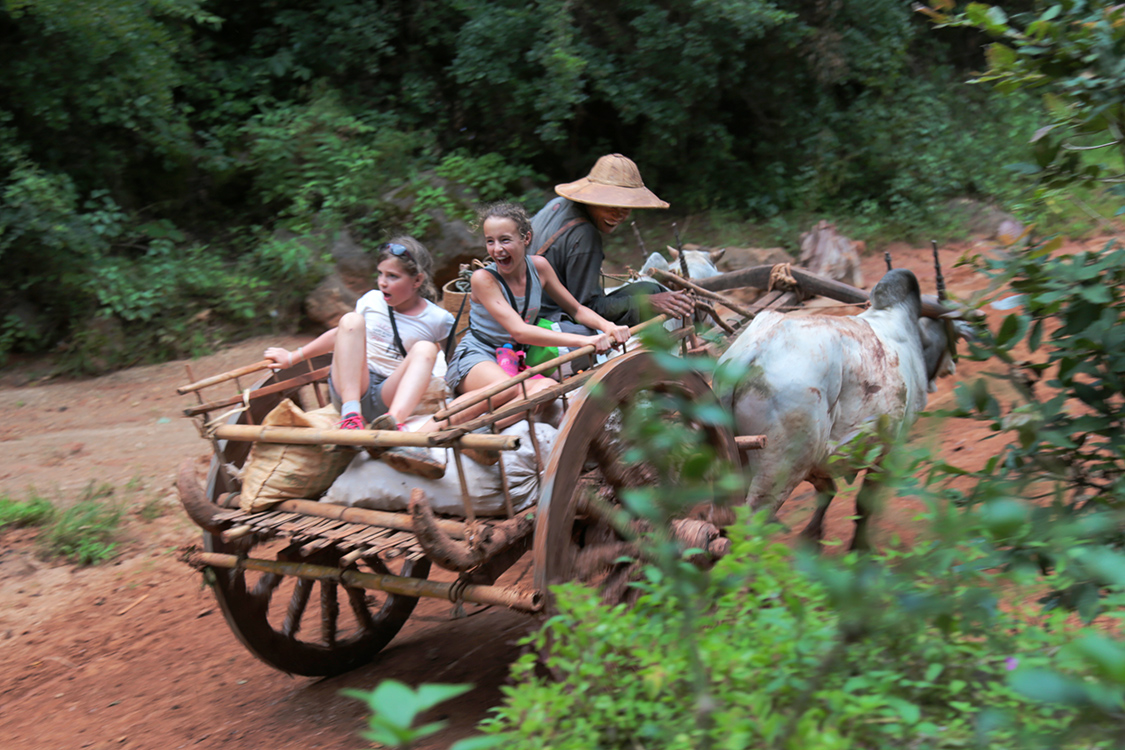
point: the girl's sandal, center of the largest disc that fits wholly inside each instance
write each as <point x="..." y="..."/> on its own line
<point x="381" y="422"/>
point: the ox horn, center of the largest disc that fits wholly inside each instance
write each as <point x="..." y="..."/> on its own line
<point x="941" y="296"/>
<point x="199" y="509"/>
<point x="481" y="544"/>
<point x="717" y="255"/>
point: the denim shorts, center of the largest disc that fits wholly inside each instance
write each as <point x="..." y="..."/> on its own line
<point x="371" y="403"/>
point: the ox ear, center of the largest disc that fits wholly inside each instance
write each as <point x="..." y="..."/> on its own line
<point x="673" y="252"/>
<point x="717" y="255"/>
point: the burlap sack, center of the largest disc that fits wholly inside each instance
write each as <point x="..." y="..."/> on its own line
<point x="275" y="472"/>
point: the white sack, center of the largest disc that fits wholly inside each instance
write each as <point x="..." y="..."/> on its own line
<point x="370" y="483"/>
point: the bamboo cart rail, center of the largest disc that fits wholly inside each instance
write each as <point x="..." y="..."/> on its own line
<point x="533" y="371"/>
<point x="361" y="438"/>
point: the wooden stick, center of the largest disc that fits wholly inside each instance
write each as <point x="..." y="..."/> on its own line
<point x="297" y="382"/>
<point x="810" y="284"/>
<point x="135" y="603"/>
<point x="750" y="442"/>
<point x="379" y="518"/>
<point x="531" y="371"/>
<point x="466" y="498"/>
<point x="265" y="364"/>
<point x="727" y="301"/>
<point x="237" y="533"/>
<point x="714" y="315"/>
<point x="358" y="438"/>
<point x="572" y="383"/>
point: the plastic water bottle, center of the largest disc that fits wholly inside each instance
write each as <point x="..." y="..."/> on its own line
<point x="508" y="359"/>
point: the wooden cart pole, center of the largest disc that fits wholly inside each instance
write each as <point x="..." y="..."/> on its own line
<point x="504" y="596"/>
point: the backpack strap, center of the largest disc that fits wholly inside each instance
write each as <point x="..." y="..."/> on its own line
<point x="453" y="331"/>
<point x="551" y="240"/>
<point x="508" y="290"/>
<point x="394" y="328"/>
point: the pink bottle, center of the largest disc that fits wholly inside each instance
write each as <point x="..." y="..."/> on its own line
<point x="509" y="360"/>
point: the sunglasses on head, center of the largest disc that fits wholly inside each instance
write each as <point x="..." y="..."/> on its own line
<point x="399" y="251"/>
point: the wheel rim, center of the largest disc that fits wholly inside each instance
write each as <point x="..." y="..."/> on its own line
<point x="564" y="539"/>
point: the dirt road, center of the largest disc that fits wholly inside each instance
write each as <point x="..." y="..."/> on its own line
<point x="135" y="654"/>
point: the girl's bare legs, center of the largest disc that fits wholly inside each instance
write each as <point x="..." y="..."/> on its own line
<point x="349" y="360"/>
<point x="404" y="389"/>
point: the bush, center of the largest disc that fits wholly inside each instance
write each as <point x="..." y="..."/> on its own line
<point x="901" y="651"/>
<point x="320" y="161"/>
<point x="85" y="532"/>
<point x="35" y="511"/>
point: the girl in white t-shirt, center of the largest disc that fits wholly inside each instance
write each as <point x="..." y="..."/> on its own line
<point x="384" y="352"/>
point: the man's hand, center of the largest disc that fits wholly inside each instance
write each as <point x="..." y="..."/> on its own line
<point x="675" y="304"/>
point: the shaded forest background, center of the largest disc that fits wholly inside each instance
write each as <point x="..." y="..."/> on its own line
<point x="166" y="166"/>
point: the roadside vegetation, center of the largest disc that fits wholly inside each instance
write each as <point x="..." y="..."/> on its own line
<point x="86" y="530"/>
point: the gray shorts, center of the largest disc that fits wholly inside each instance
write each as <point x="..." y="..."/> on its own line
<point x="371" y="403"/>
<point x="468" y="354"/>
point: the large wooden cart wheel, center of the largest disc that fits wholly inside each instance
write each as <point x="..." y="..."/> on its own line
<point x="586" y="472"/>
<point x="302" y="626"/>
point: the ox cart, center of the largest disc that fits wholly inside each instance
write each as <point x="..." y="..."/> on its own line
<point x="315" y="588"/>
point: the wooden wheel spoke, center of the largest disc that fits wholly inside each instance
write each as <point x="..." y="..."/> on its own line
<point x="298" y="602"/>
<point x="606" y="452"/>
<point x="357" y="599"/>
<point x="264" y="588"/>
<point x="329" y="613"/>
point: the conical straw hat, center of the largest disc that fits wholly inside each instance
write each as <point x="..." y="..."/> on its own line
<point x="614" y="181"/>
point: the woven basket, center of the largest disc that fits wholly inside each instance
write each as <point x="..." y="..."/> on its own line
<point x="456" y="302"/>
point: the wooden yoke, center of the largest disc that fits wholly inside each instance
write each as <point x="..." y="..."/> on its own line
<point x="810" y="284"/>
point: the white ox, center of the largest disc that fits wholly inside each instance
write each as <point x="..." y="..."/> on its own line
<point x="812" y="384"/>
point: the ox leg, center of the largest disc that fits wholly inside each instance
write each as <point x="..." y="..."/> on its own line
<point x="866" y="503"/>
<point x="825" y="491"/>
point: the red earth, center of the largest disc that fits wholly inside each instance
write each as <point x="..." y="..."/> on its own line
<point x="135" y="653"/>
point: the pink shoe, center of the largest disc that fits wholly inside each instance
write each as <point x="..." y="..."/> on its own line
<point x="350" y="422"/>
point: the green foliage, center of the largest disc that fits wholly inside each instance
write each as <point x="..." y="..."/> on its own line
<point x="85" y="532"/>
<point x="909" y="649"/>
<point x="1071" y="51"/>
<point x="321" y="161"/>
<point x="1063" y="415"/>
<point x="394" y="707"/>
<point x="35" y="511"/>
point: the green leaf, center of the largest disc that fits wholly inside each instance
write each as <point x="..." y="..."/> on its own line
<point x="480" y="743"/>
<point x="1011" y="331"/>
<point x="1045" y="686"/>
<point x="431" y="694"/>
